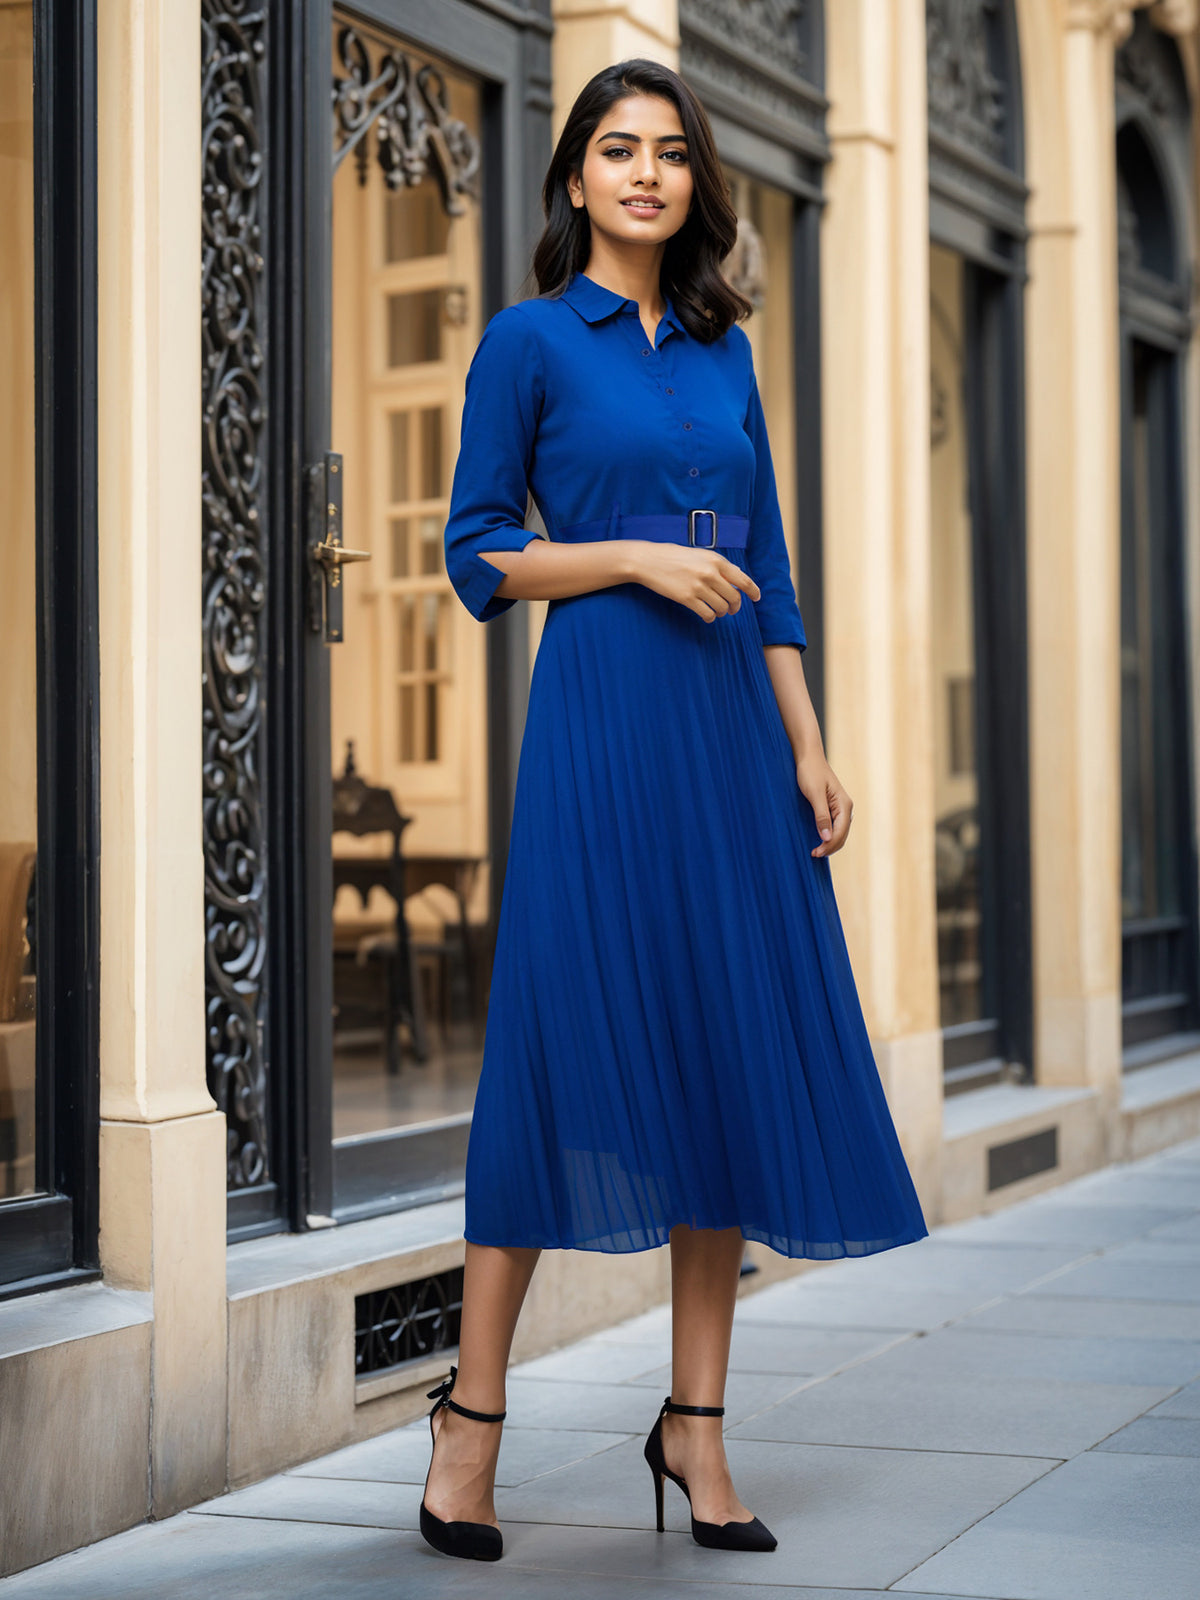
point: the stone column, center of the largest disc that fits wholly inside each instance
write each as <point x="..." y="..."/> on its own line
<point x="162" y="1140"/>
<point x="591" y="34"/>
<point x="877" y="626"/>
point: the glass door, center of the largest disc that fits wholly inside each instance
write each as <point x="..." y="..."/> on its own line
<point x="407" y="696"/>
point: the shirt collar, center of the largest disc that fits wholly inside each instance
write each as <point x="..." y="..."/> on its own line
<point x="594" y="302"/>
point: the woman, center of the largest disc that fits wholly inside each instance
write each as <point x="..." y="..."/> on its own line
<point x="675" y="1050"/>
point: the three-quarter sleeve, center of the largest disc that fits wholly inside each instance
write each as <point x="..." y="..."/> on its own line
<point x="505" y="389"/>
<point x="777" y="611"/>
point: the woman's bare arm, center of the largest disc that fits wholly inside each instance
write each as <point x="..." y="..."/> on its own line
<point x="707" y="583"/>
<point x="832" y="806"/>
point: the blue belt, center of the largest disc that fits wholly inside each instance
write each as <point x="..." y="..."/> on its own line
<point x="700" y="527"/>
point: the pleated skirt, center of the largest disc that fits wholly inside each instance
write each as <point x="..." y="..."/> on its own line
<point x="673" y="1031"/>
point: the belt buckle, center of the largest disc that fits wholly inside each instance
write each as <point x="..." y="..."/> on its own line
<point x="702" y="512"/>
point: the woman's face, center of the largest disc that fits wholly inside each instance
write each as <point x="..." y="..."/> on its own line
<point x="636" y="181"/>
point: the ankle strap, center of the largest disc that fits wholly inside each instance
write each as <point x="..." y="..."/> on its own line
<point x="693" y="1411"/>
<point x="442" y="1395"/>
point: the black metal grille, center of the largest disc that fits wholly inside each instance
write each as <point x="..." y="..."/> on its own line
<point x="407" y="1322"/>
<point x="1022" y="1158"/>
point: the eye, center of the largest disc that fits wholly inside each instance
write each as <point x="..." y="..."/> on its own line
<point x="616" y="150"/>
<point x="682" y="155"/>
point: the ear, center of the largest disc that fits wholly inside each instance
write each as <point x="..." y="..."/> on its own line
<point x="575" y="189"/>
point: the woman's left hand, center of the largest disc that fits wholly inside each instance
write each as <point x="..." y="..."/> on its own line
<point x="832" y="806"/>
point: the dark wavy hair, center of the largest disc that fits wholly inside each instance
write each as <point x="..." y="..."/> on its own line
<point x="707" y="304"/>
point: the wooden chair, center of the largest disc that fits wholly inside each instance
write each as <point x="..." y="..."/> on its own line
<point x="374" y="977"/>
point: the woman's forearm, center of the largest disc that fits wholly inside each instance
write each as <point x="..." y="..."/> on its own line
<point x="792" y="697"/>
<point x="548" y="570"/>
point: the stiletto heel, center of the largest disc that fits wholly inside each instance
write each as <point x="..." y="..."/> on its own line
<point x="658" y="1497"/>
<point x="750" y="1535"/>
<point x="477" y="1541"/>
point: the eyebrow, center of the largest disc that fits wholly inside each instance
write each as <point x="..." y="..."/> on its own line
<point x="673" y="138"/>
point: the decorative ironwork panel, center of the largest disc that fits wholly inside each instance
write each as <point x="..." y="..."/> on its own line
<point x="968" y="102"/>
<point x="974" y="110"/>
<point x="406" y="109"/>
<point x="775" y="30"/>
<point x="759" y="62"/>
<point x="1148" y="71"/>
<point x="406" y="1322"/>
<point x="234" y="49"/>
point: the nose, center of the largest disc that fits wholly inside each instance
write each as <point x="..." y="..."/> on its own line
<point x="647" y="170"/>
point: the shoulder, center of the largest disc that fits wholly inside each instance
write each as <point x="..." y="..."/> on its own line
<point x="509" y="347"/>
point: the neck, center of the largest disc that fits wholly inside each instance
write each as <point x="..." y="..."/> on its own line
<point x="631" y="273"/>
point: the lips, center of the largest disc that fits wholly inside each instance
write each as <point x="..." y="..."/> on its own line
<point x="637" y="202"/>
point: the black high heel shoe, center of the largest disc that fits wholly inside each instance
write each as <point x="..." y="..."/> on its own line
<point x="477" y="1541"/>
<point x="750" y="1535"/>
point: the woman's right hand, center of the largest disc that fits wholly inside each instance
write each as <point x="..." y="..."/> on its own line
<point x="702" y="580"/>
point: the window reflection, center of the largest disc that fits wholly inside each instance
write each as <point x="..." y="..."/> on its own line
<point x="959" y="904"/>
<point x="408" y="684"/>
<point x="18" y="610"/>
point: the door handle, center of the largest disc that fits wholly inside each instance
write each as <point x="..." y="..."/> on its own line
<point x="327" y="554"/>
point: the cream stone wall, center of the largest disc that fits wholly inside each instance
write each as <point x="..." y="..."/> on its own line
<point x="162" y="1141"/>
<point x="877" y="625"/>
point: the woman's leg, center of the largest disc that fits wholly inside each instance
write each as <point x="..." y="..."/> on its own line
<point x="705" y="1266"/>
<point x="462" y="1475"/>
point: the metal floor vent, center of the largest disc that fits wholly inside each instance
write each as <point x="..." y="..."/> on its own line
<point x="408" y="1322"/>
<point x="1022" y="1158"/>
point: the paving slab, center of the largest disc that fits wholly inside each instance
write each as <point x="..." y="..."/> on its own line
<point x="1105" y="1526"/>
<point x="844" y="1518"/>
<point x="874" y="1406"/>
<point x="602" y="1360"/>
<point x="942" y="1266"/>
<point x="1054" y="1220"/>
<point x="402" y="1456"/>
<point x="897" y="1311"/>
<point x="630" y="1408"/>
<point x="1073" y="1316"/>
<point x="1157" y="1436"/>
<point x="967" y="1349"/>
<point x="784" y="1348"/>
<point x="1184" y="1404"/>
<point x="1126" y="1276"/>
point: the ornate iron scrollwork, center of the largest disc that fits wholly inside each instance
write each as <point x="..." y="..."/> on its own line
<point x="234" y="39"/>
<point x="407" y="1321"/>
<point x="407" y="106"/>
<point x="967" y="101"/>
<point x="771" y="29"/>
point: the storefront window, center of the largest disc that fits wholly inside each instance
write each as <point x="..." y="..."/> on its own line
<point x="18" y="614"/>
<point x="408" y="685"/>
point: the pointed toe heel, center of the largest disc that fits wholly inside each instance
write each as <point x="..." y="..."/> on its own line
<point x="752" y="1535"/>
<point x="474" y="1541"/>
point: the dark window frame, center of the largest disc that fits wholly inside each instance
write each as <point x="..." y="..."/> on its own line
<point x="52" y="1236"/>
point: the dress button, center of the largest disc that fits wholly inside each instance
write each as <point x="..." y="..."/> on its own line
<point x="687" y="427"/>
<point x="693" y="472"/>
<point x="645" y="352"/>
<point x="670" y="391"/>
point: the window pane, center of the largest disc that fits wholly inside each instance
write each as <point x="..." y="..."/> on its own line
<point x="432" y="544"/>
<point x="431" y="453"/>
<point x="414" y="327"/>
<point x="959" y="904"/>
<point x="398" y="423"/>
<point x="415" y="224"/>
<point x="18" y="610"/>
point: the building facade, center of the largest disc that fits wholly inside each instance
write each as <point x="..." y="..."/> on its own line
<point x="258" y="765"/>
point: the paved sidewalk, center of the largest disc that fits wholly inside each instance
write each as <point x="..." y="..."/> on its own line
<point x="1008" y="1409"/>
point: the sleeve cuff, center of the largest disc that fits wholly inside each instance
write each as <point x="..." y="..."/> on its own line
<point x="782" y="629"/>
<point x="478" y="593"/>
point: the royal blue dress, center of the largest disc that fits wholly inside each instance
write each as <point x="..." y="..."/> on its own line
<point x="673" y="1030"/>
